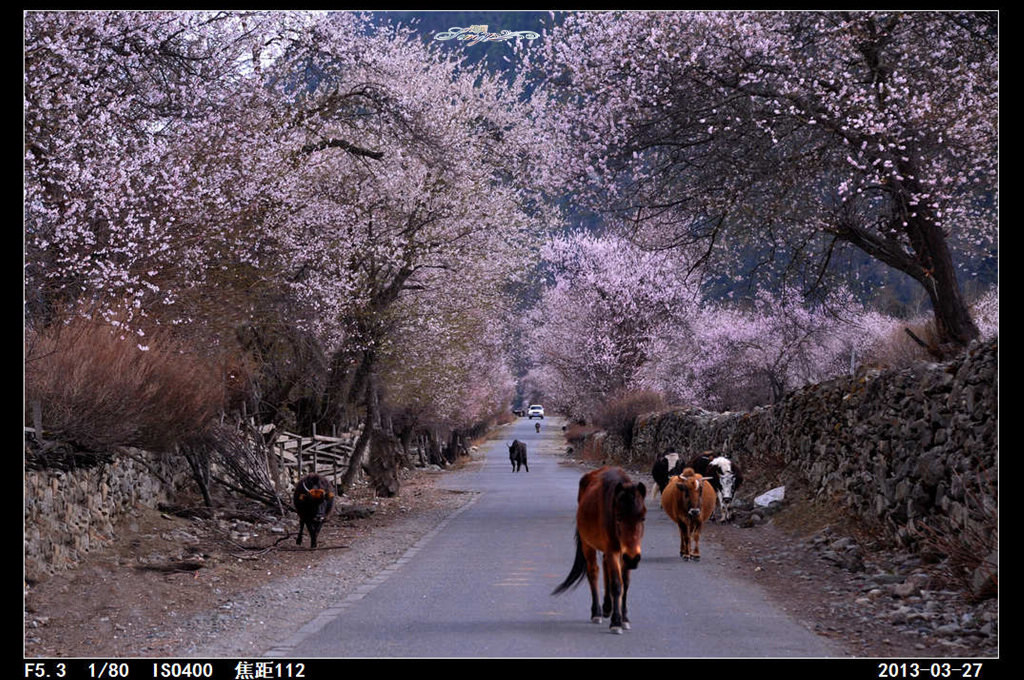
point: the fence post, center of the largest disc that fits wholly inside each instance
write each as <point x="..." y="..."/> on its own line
<point x="37" y="418"/>
<point x="315" y="450"/>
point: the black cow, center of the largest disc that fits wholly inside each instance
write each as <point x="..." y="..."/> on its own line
<point x="725" y="476"/>
<point x="314" y="498"/>
<point x="667" y="465"/>
<point x="517" y="454"/>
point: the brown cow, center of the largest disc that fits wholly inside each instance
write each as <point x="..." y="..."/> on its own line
<point x="689" y="499"/>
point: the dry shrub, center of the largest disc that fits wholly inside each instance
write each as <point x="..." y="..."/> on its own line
<point x="576" y="433"/>
<point x="95" y="388"/>
<point x="897" y="349"/>
<point x="967" y="552"/>
<point x="619" y="414"/>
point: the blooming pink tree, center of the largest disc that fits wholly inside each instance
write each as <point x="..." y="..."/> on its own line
<point x="447" y="364"/>
<point x="618" y="318"/>
<point x="986" y="312"/>
<point x="792" y="133"/>
<point x="751" y="352"/>
<point x="402" y="162"/>
<point x="316" y="147"/>
<point x="309" y="172"/>
<point x="410" y="180"/>
<point x="135" y="168"/>
<point x="591" y="331"/>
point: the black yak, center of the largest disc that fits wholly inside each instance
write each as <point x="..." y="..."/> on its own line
<point x="517" y="454"/>
<point x="314" y="498"/>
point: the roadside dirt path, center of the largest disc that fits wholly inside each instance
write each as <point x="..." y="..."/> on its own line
<point x="175" y="587"/>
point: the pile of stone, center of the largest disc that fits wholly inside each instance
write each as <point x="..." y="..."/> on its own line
<point x="897" y="589"/>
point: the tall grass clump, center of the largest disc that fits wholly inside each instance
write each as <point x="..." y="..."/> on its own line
<point x="89" y="385"/>
<point x="619" y="414"/>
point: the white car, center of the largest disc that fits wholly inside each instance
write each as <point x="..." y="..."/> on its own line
<point x="535" y="411"/>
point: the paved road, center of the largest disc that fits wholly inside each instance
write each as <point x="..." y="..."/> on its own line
<point x="480" y="585"/>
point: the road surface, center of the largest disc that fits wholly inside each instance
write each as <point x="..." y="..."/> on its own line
<point x="479" y="585"/>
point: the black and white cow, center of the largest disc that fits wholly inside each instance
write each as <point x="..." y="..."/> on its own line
<point x="668" y="465"/>
<point x="724" y="474"/>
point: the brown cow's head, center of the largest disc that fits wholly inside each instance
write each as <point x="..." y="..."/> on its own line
<point x="691" y="489"/>
<point x="630" y="511"/>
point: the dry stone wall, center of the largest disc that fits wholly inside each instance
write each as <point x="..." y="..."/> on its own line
<point x="894" y="448"/>
<point x="70" y="512"/>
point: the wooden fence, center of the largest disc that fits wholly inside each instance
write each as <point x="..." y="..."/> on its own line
<point x="328" y="456"/>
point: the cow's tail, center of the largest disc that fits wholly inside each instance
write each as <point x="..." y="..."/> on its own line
<point x="578" y="571"/>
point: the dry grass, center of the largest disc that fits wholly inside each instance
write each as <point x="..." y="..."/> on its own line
<point x="579" y="432"/>
<point x="966" y="550"/>
<point x="619" y="414"/>
<point x="897" y="349"/>
<point x="97" y="389"/>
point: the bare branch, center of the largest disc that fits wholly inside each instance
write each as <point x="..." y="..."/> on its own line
<point x="342" y="144"/>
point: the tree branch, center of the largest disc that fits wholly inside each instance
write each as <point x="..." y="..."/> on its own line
<point x="342" y="144"/>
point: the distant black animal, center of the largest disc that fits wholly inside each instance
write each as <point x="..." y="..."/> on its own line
<point x="667" y="465"/>
<point x="517" y="454"/>
<point x="725" y="476"/>
<point x="314" y="499"/>
<point x="537" y="425"/>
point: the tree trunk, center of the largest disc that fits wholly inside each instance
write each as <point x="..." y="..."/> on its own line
<point x="355" y="462"/>
<point x="953" y="323"/>
<point x="931" y="265"/>
<point x="382" y="468"/>
<point x="456" y="447"/>
<point x="405" y="440"/>
<point x="434" y="455"/>
<point x="777" y="385"/>
<point x="422" y="447"/>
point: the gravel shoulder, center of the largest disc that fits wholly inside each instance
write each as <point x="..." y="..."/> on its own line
<point x="173" y="587"/>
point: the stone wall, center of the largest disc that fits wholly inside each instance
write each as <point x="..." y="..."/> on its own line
<point x="68" y="513"/>
<point x="894" y="449"/>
